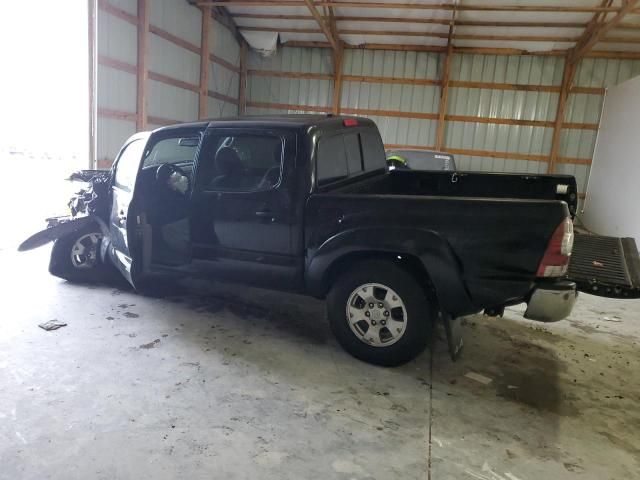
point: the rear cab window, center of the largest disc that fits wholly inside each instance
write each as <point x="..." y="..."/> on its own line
<point x="348" y="153"/>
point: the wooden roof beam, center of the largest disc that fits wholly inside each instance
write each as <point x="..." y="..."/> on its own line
<point x="597" y="29"/>
<point x="410" y="6"/>
<point x="324" y="26"/>
<point x="222" y="15"/>
<point x="429" y="21"/>
<point x="441" y="35"/>
<point x="621" y="55"/>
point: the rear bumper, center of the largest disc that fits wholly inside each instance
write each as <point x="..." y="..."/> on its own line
<point x="551" y="302"/>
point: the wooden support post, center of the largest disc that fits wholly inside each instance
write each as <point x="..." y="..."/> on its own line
<point x="338" y="62"/>
<point x="596" y="30"/>
<point x="242" y="91"/>
<point x="444" y="88"/>
<point x="91" y="10"/>
<point x="142" y="67"/>
<point x="203" y="94"/>
<point x="567" y="80"/>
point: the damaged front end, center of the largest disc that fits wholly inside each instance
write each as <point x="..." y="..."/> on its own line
<point x="89" y="205"/>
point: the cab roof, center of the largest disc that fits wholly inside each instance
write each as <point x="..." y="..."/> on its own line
<point x="296" y="121"/>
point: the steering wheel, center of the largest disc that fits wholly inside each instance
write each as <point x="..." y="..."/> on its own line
<point x="165" y="171"/>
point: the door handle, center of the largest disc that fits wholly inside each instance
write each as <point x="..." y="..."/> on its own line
<point x="266" y="215"/>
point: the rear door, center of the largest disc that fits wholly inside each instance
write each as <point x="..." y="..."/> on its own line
<point x="605" y="266"/>
<point x="122" y="226"/>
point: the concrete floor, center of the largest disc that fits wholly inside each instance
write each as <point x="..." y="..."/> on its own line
<point x="238" y="383"/>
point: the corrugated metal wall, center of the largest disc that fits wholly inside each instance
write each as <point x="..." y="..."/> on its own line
<point x="292" y="91"/>
<point x="506" y="146"/>
<point x="510" y="104"/>
<point x="165" y="57"/>
<point x="516" y="140"/>
<point x="592" y="72"/>
<point x="115" y="89"/>
<point x="221" y="79"/>
<point x="405" y="98"/>
<point x="173" y="45"/>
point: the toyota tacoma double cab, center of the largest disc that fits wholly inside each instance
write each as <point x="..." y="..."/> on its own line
<point x="307" y="204"/>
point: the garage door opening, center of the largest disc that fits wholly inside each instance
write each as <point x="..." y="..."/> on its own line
<point x="45" y="103"/>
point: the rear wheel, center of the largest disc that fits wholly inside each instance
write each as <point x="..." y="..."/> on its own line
<point x="379" y="313"/>
<point x="76" y="257"/>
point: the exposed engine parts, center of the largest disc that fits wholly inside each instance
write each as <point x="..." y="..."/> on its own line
<point x="93" y="199"/>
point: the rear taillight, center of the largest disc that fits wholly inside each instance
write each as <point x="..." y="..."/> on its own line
<point x="556" y="257"/>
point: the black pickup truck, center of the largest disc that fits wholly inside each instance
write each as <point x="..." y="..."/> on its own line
<point x="305" y="203"/>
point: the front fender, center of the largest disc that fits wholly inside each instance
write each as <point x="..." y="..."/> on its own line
<point x="432" y="251"/>
<point x="63" y="227"/>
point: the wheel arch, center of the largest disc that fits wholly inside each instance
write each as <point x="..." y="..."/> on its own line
<point x="424" y="253"/>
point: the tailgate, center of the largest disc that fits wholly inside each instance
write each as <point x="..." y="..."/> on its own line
<point x="605" y="266"/>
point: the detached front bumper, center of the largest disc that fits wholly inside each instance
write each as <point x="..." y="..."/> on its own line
<point x="552" y="302"/>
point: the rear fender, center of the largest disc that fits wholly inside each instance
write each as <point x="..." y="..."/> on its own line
<point x="430" y="249"/>
<point x="63" y="226"/>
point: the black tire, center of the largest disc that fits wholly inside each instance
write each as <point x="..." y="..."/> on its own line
<point x="419" y="312"/>
<point x="61" y="263"/>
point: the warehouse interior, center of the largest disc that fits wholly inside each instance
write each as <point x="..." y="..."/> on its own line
<point x="222" y="380"/>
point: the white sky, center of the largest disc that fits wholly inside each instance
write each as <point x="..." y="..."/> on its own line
<point x="44" y="76"/>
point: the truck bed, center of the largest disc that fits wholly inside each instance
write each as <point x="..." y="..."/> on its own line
<point x="604" y="266"/>
<point x="497" y="242"/>
<point x="479" y="185"/>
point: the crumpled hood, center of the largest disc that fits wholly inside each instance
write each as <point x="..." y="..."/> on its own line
<point x="87" y="205"/>
<point x="92" y="199"/>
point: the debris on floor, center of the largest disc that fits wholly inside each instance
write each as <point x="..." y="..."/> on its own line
<point x="478" y="378"/>
<point x="52" y="324"/>
<point x="151" y="344"/>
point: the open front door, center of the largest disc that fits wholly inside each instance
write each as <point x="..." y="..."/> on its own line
<point x="605" y="266"/>
<point x="123" y="225"/>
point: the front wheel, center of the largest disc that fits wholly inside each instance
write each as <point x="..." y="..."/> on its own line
<point x="379" y="313"/>
<point x="76" y="257"/>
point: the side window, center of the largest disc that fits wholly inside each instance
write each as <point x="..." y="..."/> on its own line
<point x="128" y="163"/>
<point x="331" y="160"/>
<point x="372" y="150"/>
<point x="354" y="154"/>
<point x="338" y="157"/>
<point x="241" y="163"/>
<point x="177" y="150"/>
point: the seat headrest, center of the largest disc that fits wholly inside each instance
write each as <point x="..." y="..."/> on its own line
<point x="227" y="161"/>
